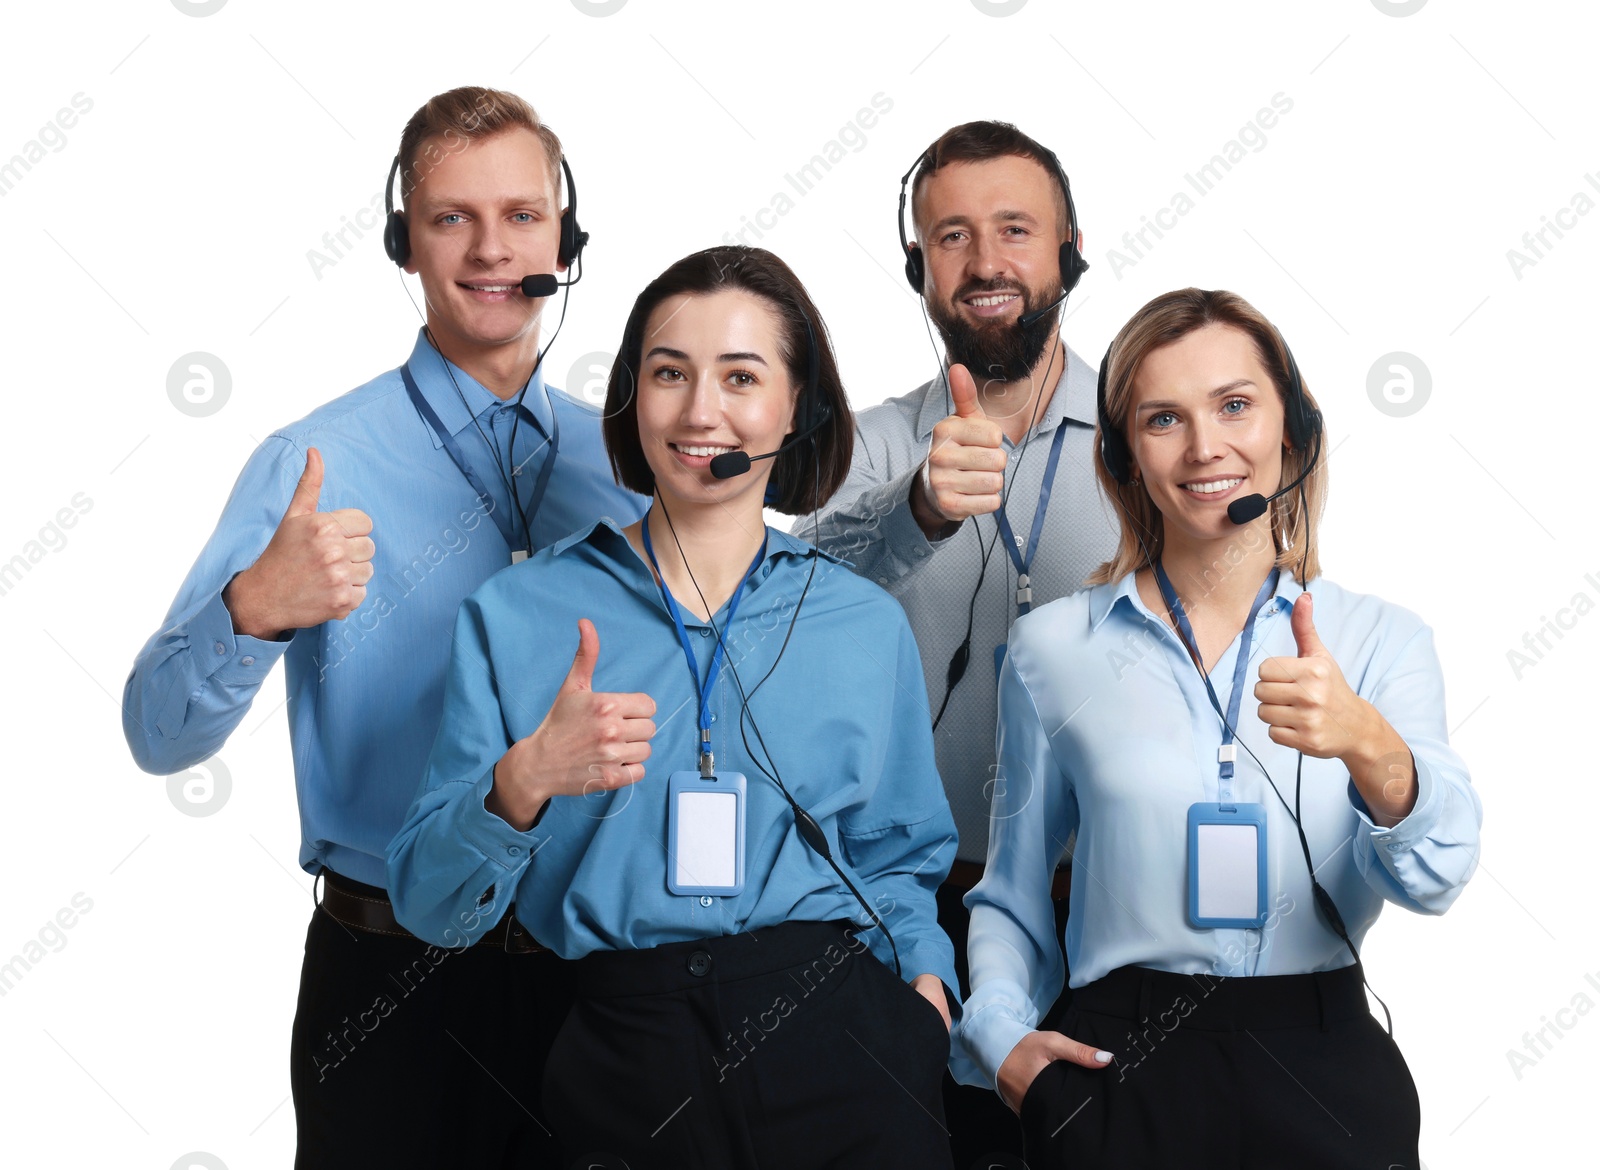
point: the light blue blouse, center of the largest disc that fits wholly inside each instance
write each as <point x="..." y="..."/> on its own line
<point x="1106" y="731"/>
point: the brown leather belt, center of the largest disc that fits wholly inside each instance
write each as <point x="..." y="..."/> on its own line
<point x="966" y="874"/>
<point x="368" y="908"/>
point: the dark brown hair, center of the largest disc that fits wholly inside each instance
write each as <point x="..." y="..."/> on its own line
<point x="1166" y="319"/>
<point x="980" y="141"/>
<point x="461" y="116"/>
<point x="803" y="477"/>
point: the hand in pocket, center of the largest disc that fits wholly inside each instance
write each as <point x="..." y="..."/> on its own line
<point x="1032" y="1054"/>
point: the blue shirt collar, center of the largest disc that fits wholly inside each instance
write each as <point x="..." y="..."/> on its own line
<point x="1104" y="598"/>
<point x="606" y="536"/>
<point x="1073" y="397"/>
<point x="428" y="368"/>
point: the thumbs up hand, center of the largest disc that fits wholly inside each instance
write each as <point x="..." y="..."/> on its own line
<point x="1307" y="705"/>
<point x="315" y="569"/>
<point x="964" y="474"/>
<point x="1305" y="701"/>
<point x="590" y="741"/>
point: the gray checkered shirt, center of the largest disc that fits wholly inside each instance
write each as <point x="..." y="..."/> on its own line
<point x="869" y="523"/>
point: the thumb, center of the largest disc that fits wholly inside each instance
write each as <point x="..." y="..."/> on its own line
<point x="581" y="676"/>
<point x="1305" y="634"/>
<point x="1066" y="1048"/>
<point x="309" y="490"/>
<point x="964" y="393"/>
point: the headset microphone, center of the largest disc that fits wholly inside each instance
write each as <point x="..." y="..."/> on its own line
<point x="814" y="415"/>
<point x="733" y="463"/>
<point x="1247" y="508"/>
<point x="1302" y="420"/>
<point x="542" y="285"/>
<point x="1027" y="320"/>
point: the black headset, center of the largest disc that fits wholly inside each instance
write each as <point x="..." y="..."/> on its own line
<point x="397" y="239"/>
<point x="1073" y="265"/>
<point x="1304" y="420"/>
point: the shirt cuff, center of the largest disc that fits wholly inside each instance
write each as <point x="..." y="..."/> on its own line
<point x="229" y="657"/>
<point x="488" y="833"/>
<point x="1417" y="824"/>
<point x="988" y="1035"/>
<point x="928" y="958"/>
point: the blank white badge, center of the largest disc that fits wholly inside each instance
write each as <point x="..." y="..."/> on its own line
<point x="1226" y="871"/>
<point x="708" y="839"/>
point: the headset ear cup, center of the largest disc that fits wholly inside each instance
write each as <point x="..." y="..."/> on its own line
<point x="914" y="271"/>
<point x="1305" y="420"/>
<point x="1113" y="450"/>
<point x="1309" y="424"/>
<point x="573" y="239"/>
<point x="396" y="239"/>
<point x="1073" y="266"/>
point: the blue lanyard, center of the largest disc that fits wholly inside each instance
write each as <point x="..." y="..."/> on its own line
<point x="502" y="520"/>
<point x="1226" y="752"/>
<point x="1024" y="559"/>
<point x="703" y="693"/>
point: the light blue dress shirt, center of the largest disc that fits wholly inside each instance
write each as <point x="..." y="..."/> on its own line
<point x="869" y="523"/>
<point x="364" y="694"/>
<point x="845" y="716"/>
<point x="1105" y="729"/>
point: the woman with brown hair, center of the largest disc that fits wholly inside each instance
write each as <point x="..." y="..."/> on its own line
<point x="1228" y="858"/>
<point x="761" y="979"/>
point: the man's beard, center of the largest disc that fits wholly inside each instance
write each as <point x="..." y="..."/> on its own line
<point x="999" y="350"/>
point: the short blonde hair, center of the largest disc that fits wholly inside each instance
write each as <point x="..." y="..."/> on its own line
<point x="1163" y="321"/>
<point x="464" y="115"/>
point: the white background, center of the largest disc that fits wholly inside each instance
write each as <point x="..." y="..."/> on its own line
<point x="178" y="216"/>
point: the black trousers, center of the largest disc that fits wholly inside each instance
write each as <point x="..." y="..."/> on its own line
<point x="790" y="1046"/>
<point x="984" y="1134"/>
<point x="410" y="1055"/>
<point x="1276" y="1071"/>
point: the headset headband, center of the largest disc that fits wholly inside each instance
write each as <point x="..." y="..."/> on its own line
<point x="397" y="237"/>
<point x="1070" y="258"/>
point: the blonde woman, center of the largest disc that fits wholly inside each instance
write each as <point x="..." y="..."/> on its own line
<point x="1218" y="1015"/>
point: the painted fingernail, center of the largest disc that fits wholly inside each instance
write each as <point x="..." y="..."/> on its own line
<point x="1102" y="1056"/>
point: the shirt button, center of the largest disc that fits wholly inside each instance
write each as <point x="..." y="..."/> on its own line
<point x="705" y="633"/>
<point x="248" y="660"/>
<point x="514" y="850"/>
<point x="883" y="580"/>
<point x="699" y="963"/>
<point x="705" y="899"/>
<point x="220" y="648"/>
<point x="1392" y="847"/>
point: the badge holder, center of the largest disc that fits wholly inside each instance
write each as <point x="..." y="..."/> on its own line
<point x="705" y="833"/>
<point x="1227" y="866"/>
<point x="705" y="809"/>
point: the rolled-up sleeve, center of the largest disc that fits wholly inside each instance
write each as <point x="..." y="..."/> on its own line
<point x="1014" y="957"/>
<point x="1423" y="862"/>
